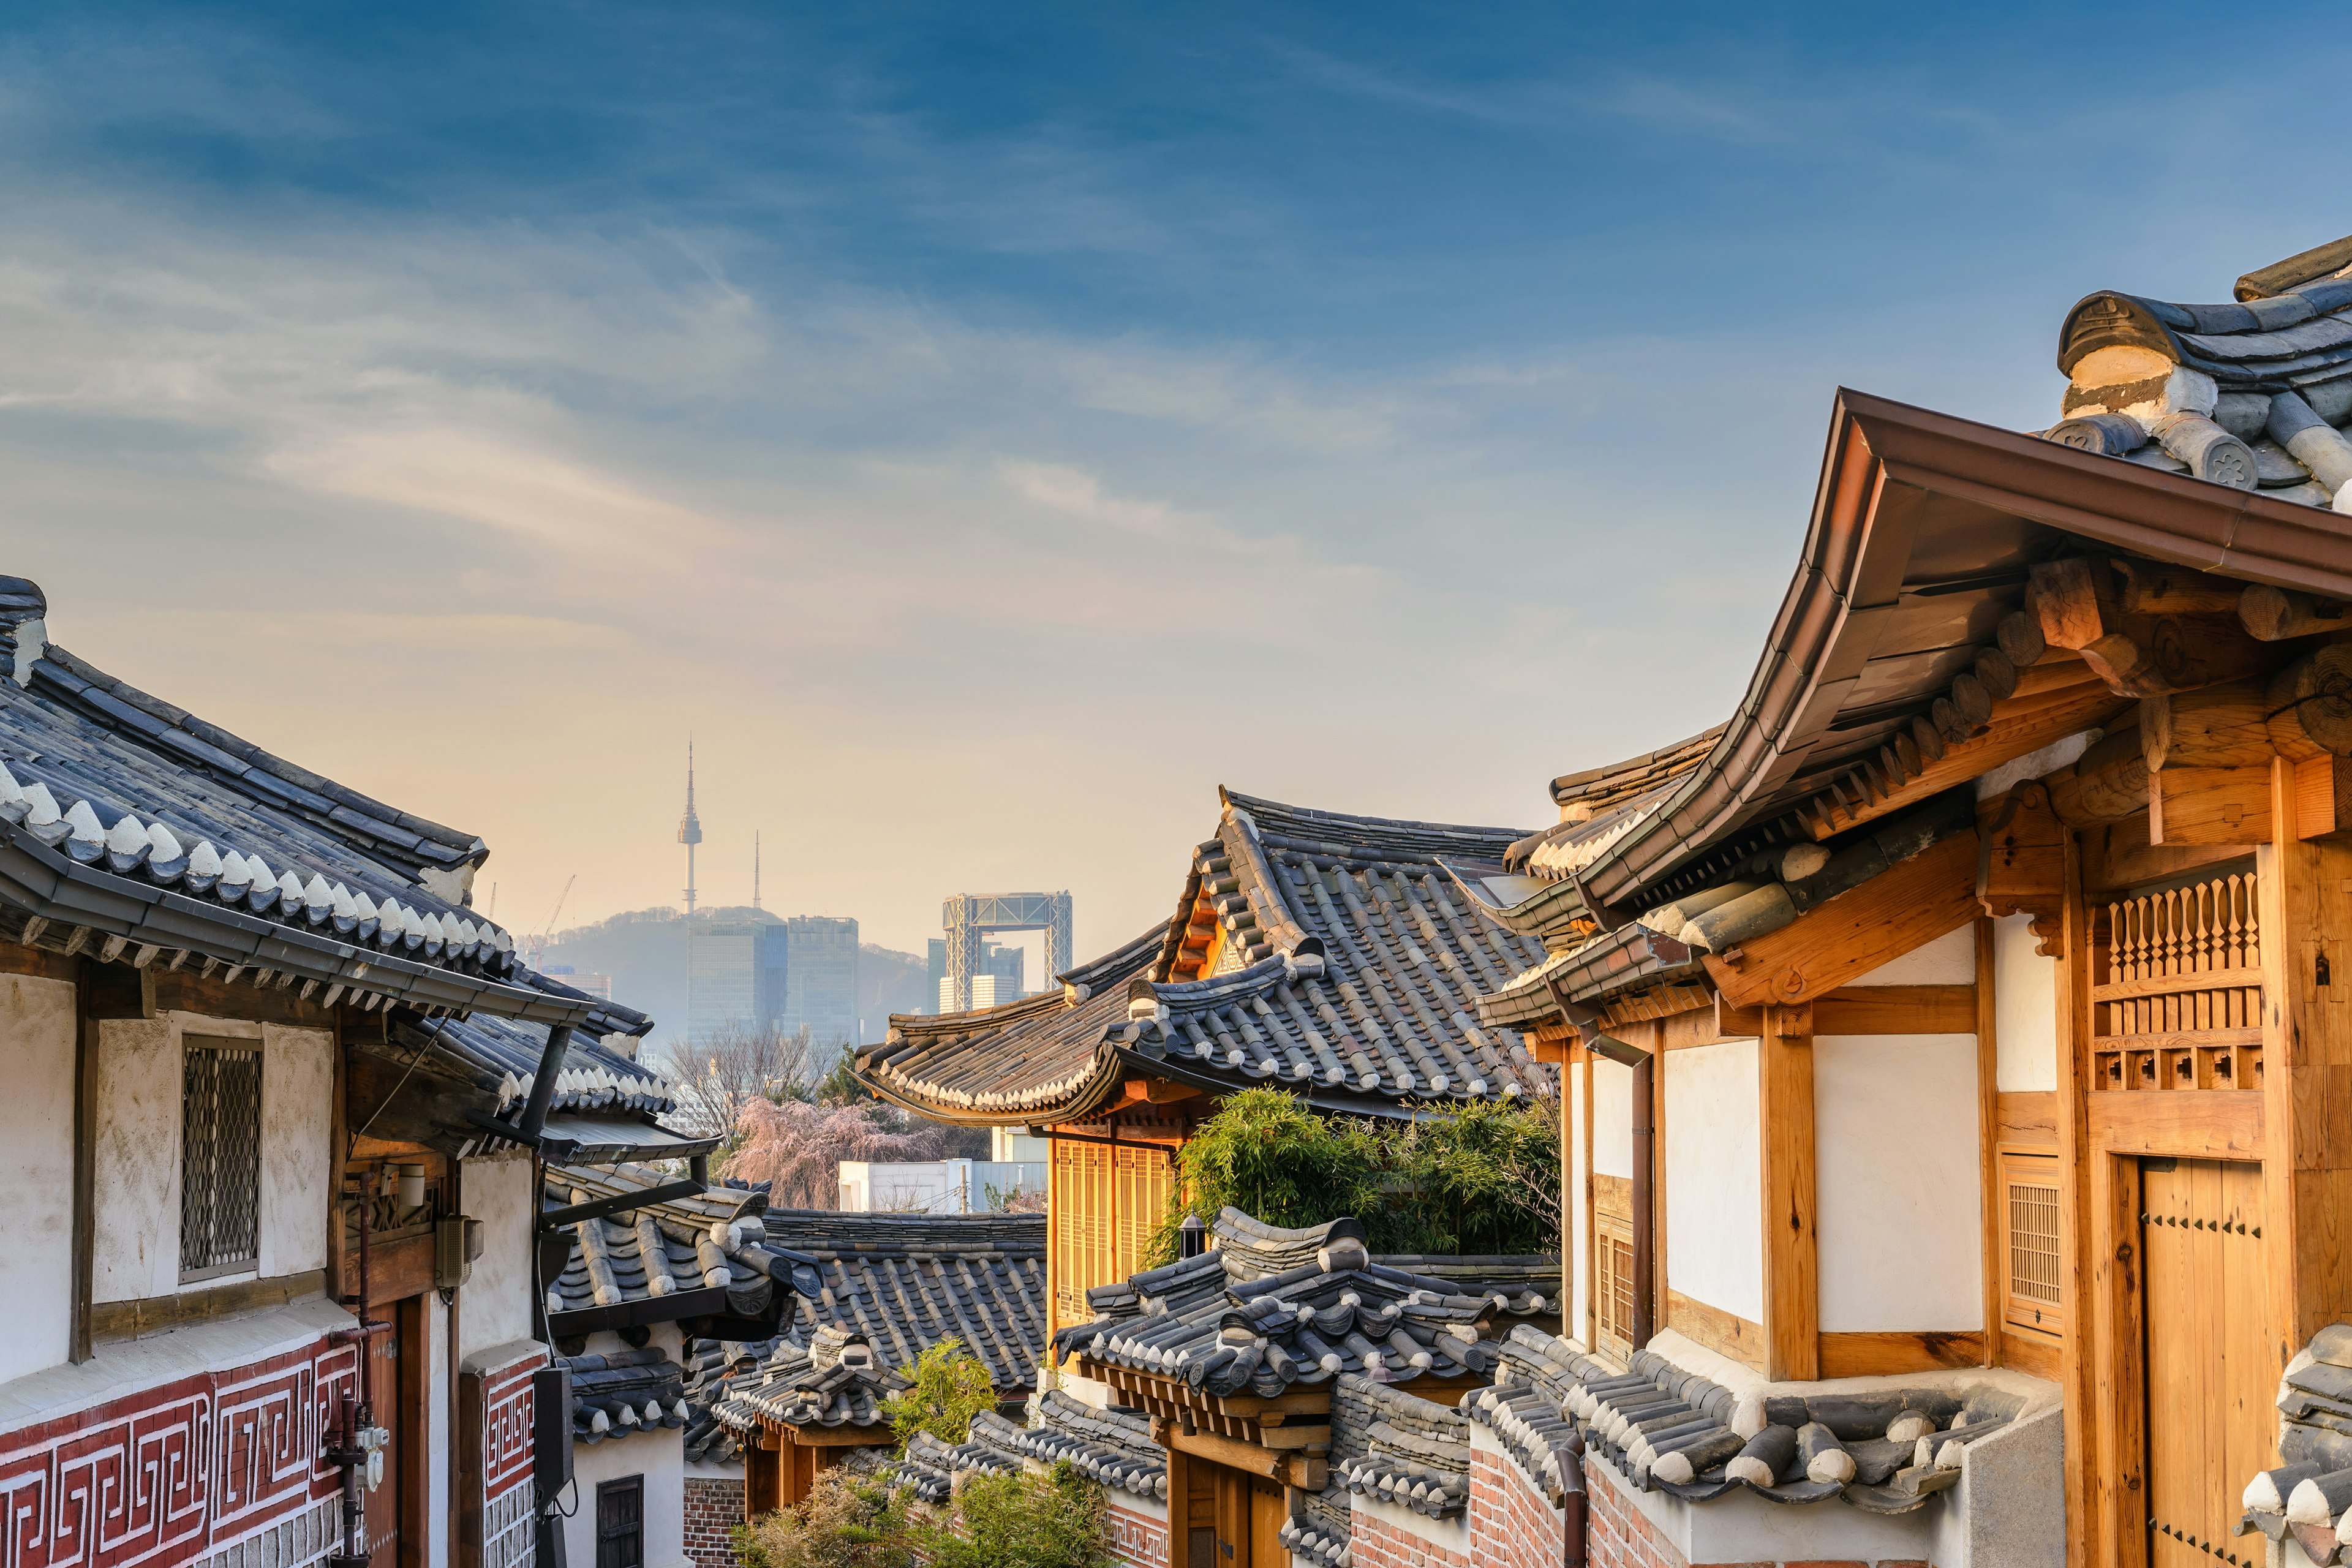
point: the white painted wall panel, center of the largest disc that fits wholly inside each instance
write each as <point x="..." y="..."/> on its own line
<point x="1949" y="959"/>
<point x="37" y="1030"/>
<point x="2025" y="1007"/>
<point x="496" y="1303"/>
<point x="1715" y="1245"/>
<point x="1894" y="1121"/>
<point x="136" y="1183"/>
<point x="1613" y="1120"/>
<point x="298" y="1088"/>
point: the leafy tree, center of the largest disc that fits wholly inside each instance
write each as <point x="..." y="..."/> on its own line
<point x="848" y="1521"/>
<point x="1478" y="1176"/>
<point x="1051" y="1520"/>
<point x="950" y="1388"/>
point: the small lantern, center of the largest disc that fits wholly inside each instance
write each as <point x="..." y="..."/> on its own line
<point x="1192" y="1238"/>
<point x="412" y="1186"/>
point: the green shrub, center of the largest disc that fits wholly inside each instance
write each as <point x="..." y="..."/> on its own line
<point x="951" y="1388"/>
<point x="1051" y="1520"/>
<point x="1477" y="1176"/>
<point x="848" y="1521"/>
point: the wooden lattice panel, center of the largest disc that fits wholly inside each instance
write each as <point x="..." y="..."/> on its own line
<point x="2180" y="1005"/>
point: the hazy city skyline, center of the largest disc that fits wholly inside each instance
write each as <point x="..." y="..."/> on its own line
<point x="986" y="433"/>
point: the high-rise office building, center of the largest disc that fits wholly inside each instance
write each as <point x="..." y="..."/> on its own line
<point x="821" y="987"/>
<point x="1004" y="970"/>
<point x="736" y="973"/>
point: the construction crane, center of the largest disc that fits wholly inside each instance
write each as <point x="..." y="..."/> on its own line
<point x="539" y="943"/>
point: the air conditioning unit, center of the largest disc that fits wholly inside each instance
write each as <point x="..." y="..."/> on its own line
<point x="457" y="1242"/>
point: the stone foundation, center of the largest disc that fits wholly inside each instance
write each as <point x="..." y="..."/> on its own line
<point x="713" y="1509"/>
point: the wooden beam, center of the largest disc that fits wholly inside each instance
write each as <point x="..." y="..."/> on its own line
<point x="1725" y="1334"/>
<point x="2210" y="806"/>
<point x="2026" y="1116"/>
<point x="1791" y="1216"/>
<point x="2188" y="1123"/>
<point x="1888" y="1354"/>
<point x="2020" y="860"/>
<point x="111" y="1320"/>
<point x="1896" y="1010"/>
<point x="2273" y="614"/>
<point x="1990" y="1206"/>
<point x="1305" y="1471"/>
<point x="2078" y="1367"/>
<point x="1907" y="905"/>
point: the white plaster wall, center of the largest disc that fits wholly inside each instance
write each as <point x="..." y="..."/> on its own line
<point x="1714" y="1242"/>
<point x="1949" y="959"/>
<point x="1575" y="1161"/>
<point x="1613" y="1120"/>
<point x="659" y="1455"/>
<point x="297" y="1088"/>
<point x="136" y="1184"/>
<point x="139" y="1080"/>
<point x="2025" y="1008"/>
<point x="37" y="1031"/>
<point x="497" y="1304"/>
<point x="1896" y="1182"/>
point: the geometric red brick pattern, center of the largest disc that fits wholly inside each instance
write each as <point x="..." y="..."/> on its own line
<point x="1374" y="1543"/>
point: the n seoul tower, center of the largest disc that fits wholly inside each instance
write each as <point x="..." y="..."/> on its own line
<point x="689" y="828"/>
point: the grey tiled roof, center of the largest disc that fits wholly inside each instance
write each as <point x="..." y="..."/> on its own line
<point x="1391" y="1444"/>
<point x="502" y="1056"/>
<point x="1352" y="961"/>
<point x="641" y="1256"/>
<point x="1112" y="1446"/>
<point x="1523" y="1409"/>
<point x="1899" y="1447"/>
<point x="2314" y="1406"/>
<point x="1318" y="1531"/>
<point x="622" y="1392"/>
<point x="103" y="783"/>
<point x="1271" y="1309"/>
<point x="2280" y="360"/>
<point x="897" y="1284"/>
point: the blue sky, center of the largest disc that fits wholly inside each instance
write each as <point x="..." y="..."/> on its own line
<point x="990" y="428"/>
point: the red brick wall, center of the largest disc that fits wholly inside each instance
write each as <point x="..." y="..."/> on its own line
<point x="1374" y="1543"/>
<point x="1618" y="1535"/>
<point x="1137" y="1539"/>
<point x="713" y="1509"/>
<point x="1512" y="1524"/>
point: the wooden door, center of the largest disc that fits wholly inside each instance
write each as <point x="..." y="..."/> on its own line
<point x="620" y="1523"/>
<point x="380" y="1508"/>
<point x="2210" y="1381"/>
<point x="1269" y="1512"/>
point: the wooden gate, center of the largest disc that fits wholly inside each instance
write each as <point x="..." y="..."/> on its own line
<point x="2211" y="1424"/>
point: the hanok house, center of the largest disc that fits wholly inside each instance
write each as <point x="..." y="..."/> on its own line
<point x="1956" y="1036"/>
<point x="277" y="1095"/>
<point x="642" y="1270"/>
<point x="1337" y="957"/>
<point x="1283" y="1397"/>
<point x="887" y="1288"/>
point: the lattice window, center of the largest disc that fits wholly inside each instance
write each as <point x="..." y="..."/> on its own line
<point x="2036" y="1290"/>
<point x="220" y="1159"/>
<point x="2180" y="1004"/>
<point x="1613" y="1292"/>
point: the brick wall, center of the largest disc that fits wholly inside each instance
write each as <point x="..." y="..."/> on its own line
<point x="1619" y="1535"/>
<point x="1378" y="1541"/>
<point x="1137" y="1539"/>
<point x="713" y="1509"/>
<point x="1512" y="1523"/>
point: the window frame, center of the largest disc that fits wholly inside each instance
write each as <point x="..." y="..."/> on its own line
<point x="219" y="1045"/>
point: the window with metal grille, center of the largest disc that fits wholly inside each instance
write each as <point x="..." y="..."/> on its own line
<point x="220" y="1158"/>
<point x="2036" y="1294"/>
<point x="620" y="1523"/>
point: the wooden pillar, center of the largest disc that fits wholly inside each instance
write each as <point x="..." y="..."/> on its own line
<point x="1988" y="1202"/>
<point x="2306" y="910"/>
<point x="1793" y="1340"/>
<point x="2077" y="1361"/>
<point x="1584" y="1179"/>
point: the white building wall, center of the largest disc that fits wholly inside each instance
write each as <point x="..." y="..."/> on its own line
<point x="2025" y="1008"/>
<point x="1575" y="1161"/>
<point x="136" y="1186"/>
<point x="1715" y="1244"/>
<point x="496" y="1306"/>
<point x="659" y="1456"/>
<point x="298" y="1135"/>
<point x="1949" y="959"/>
<point x="1896" y="1182"/>
<point x="37" y="1031"/>
<point x="1613" y="1120"/>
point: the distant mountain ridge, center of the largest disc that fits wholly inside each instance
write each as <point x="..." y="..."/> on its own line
<point x="645" y="952"/>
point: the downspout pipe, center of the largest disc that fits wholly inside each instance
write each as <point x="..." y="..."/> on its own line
<point x="1645" y="1066"/>
<point x="542" y="1083"/>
